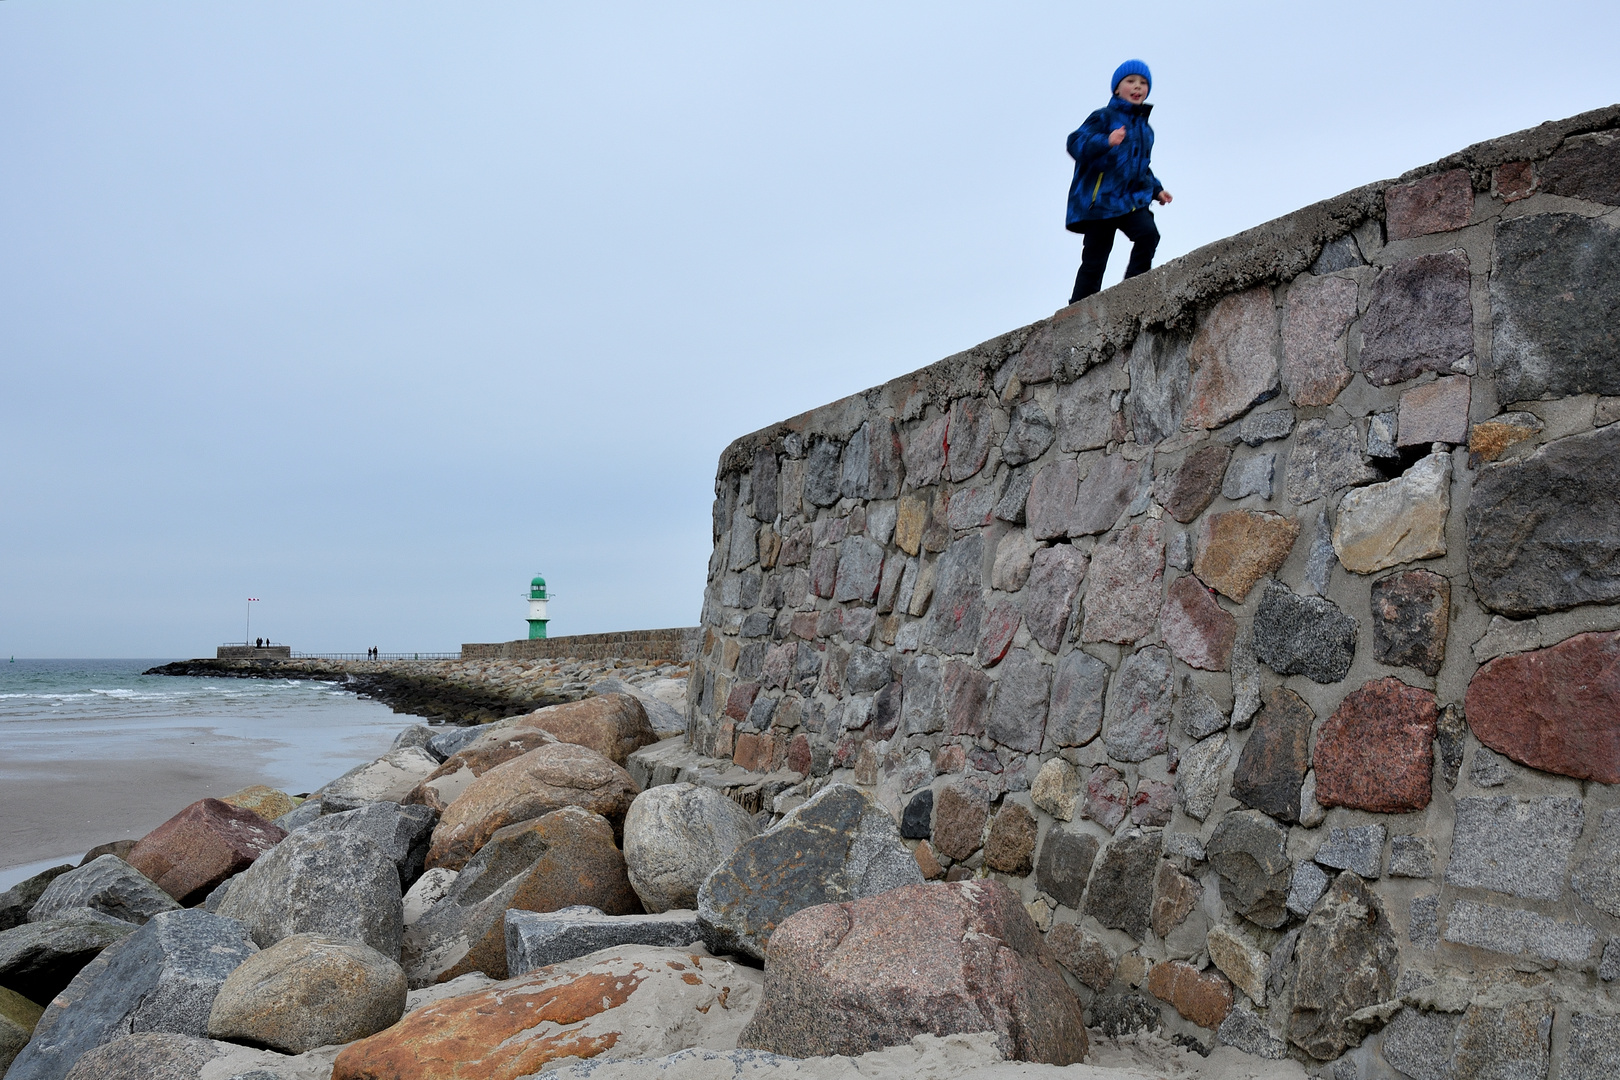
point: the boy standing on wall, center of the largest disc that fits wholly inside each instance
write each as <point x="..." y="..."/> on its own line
<point x="1113" y="185"/>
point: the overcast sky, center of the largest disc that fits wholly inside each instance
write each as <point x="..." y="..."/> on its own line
<point x="372" y="311"/>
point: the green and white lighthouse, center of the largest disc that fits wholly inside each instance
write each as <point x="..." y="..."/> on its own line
<point x="537" y="607"/>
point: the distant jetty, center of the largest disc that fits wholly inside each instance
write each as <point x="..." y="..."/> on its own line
<point x="444" y="691"/>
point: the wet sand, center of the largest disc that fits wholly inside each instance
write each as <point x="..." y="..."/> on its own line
<point x="69" y="782"/>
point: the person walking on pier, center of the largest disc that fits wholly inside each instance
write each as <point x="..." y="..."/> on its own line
<point x="1113" y="185"/>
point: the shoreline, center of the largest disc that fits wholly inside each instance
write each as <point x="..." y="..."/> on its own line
<point x="94" y="793"/>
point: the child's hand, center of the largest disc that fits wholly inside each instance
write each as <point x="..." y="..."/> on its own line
<point x="1116" y="136"/>
<point x="1162" y="198"/>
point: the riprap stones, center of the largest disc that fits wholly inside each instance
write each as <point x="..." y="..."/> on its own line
<point x="674" y="837"/>
<point x="838" y="846"/>
<point x="943" y="959"/>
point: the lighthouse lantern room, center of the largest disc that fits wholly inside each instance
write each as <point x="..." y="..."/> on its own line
<point x="537" y="607"/>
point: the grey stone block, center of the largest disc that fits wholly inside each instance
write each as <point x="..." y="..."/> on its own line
<point x="1609" y="966"/>
<point x="1029" y="434"/>
<point x="1257" y="428"/>
<point x="455" y="739"/>
<point x="1381" y="430"/>
<point x="1138" y="711"/>
<point x="1340" y="254"/>
<point x="1247" y="849"/>
<point x="1324" y="460"/>
<point x="1517" y="933"/>
<point x="1196" y="712"/>
<point x="1411" y="856"/>
<point x="1524" y="514"/>
<point x="1018" y="715"/>
<point x="1121" y="1014"/>
<point x="1250" y="474"/>
<point x="1520" y="847"/>
<point x="535" y="939"/>
<point x="402" y="832"/>
<point x="1424" y="926"/>
<point x="299" y="816"/>
<point x="1075" y="714"/>
<point x="1065" y="862"/>
<point x="1321" y="558"/>
<point x="838" y="846"/>
<point x="1245" y="1031"/>
<point x="38" y="959"/>
<point x="416" y="735"/>
<point x="821" y="473"/>
<point x="334" y="883"/>
<point x="1200" y="775"/>
<point x="1182" y="845"/>
<point x="108" y="885"/>
<point x="1120" y="894"/>
<point x="1309" y="883"/>
<point x="1594" y="1047"/>
<point x="1597" y="878"/>
<point x="1419" y="1043"/>
<point x="163" y="977"/>
<point x="1360" y="848"/>
<point x="1488" y="769"/>
<point x="16" y="901"/>
<point x="1303" y="635"/>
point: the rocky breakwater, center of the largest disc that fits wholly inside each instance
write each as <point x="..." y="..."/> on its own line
<point x="1256" y="622"/>
<point x="471" y="691"/>
<point x="506" y="905"/>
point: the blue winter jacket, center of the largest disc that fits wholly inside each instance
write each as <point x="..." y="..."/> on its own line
<point x="1110" y="181"/>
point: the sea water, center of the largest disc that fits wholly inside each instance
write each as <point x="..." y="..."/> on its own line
<point x="102" y="724"/>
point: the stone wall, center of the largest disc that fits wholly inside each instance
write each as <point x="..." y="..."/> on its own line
<point x="1256" y="619"/>
<point x="253" y="652"/>
<point x="677" y="643"/>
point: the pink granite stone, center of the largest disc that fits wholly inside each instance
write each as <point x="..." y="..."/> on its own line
<point x="996" y="633"/>
<point x="1514" y="181"/>
<point x="1315" y="364"/>
<point x="1233" y="360"/>
<point x="1197" y="629"/>
<point x="1434" y="412"/>
<point x="1430" y="205"/>
<point x="1108" y="797"/>
<point x="1376" y="751"/>
<point x="1051" y="499"/>
<point x="1554" y="709"/>
<point x="1124" y="584"/>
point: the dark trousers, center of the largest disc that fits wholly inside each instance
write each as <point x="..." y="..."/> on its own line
<point x="1138" y="228"/>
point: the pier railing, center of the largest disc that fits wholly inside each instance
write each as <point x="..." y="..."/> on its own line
<point x="380" y="656"/>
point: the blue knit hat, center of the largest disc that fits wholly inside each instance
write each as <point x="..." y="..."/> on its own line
<point x="1130" y="67"/>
